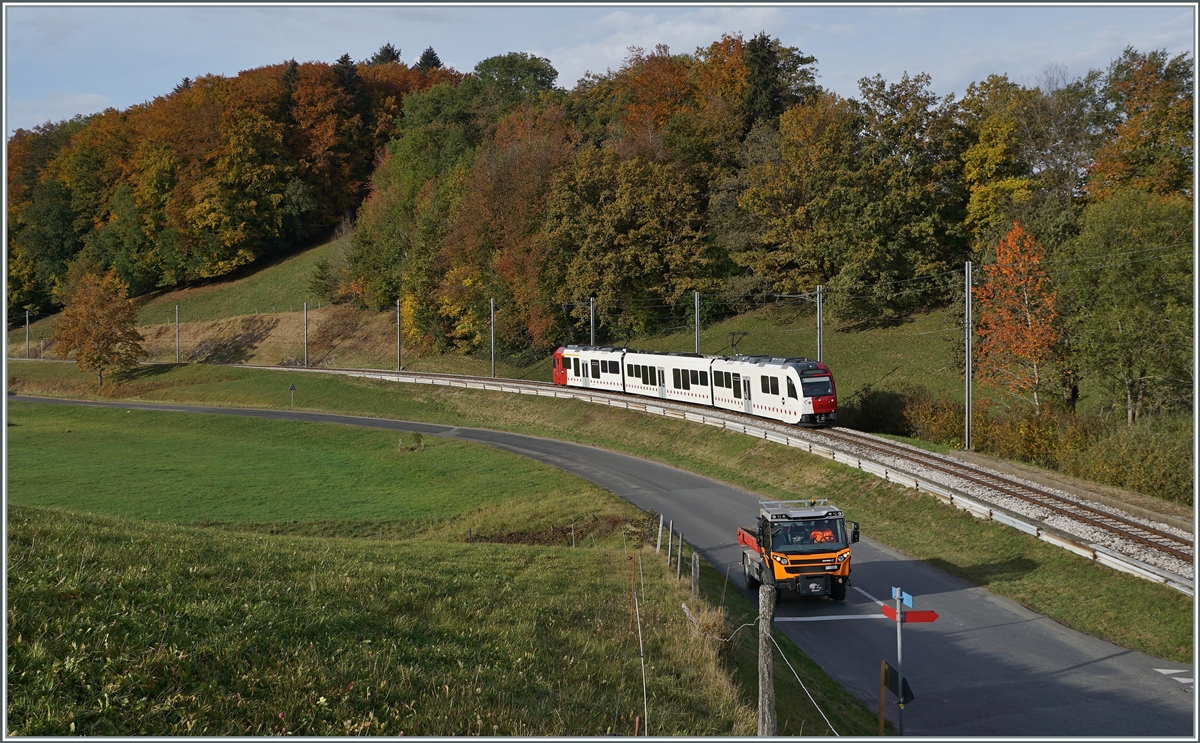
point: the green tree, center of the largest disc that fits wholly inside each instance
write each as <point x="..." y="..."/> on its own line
<point x="632" y="234"/>
<point x="429" y="60"/>
<point x="386" y="55"/>
<point x="98" y="326"/>
<point x="778" y="77"/>
<point x="1127" y="289"/>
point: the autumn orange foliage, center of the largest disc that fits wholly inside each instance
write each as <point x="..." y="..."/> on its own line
<point x="1016" y="319"/>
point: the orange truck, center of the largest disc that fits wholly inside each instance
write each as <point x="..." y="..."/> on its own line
<point x="807" y="545"/>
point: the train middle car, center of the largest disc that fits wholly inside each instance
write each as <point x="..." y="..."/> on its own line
<point x="791" y="390"/>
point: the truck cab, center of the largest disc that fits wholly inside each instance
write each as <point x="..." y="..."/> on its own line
<point x="805" y="545"/>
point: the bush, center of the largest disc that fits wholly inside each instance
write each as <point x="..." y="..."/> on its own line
<point x="1153" y="457"/>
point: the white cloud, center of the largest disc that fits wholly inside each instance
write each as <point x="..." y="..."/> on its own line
<point x="54" y="107"/>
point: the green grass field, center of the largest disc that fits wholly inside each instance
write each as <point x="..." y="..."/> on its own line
<point x="192" y="574"/>
<point x="1070" y="589"/>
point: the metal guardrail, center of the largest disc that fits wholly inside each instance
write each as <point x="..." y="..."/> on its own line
<point x="1099" y="553"/>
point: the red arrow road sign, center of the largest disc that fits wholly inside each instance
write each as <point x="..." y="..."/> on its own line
<point x="910" y="616"/>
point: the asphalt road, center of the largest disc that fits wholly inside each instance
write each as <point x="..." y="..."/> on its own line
<point x="987" y="667"/>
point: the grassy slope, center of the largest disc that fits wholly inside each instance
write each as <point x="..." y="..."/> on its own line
<point x="119" y="625"/>
<point x="1074" y="591"/>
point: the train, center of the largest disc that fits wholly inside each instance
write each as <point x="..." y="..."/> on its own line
<point x="792" y="390"/>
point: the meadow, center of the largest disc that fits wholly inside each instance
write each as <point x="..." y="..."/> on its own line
<point x="192" y="574"/>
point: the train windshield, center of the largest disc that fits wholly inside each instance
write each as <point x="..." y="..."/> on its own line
<point x="817" y="386"/>
<point x="805" y="537"/>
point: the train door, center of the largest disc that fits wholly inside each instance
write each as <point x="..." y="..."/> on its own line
<point x="582" y="370"/>
<point x="662" y="383"/>
<point x="746" y="395"/>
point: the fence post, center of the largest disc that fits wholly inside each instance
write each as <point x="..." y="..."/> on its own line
<point x="695" y="574"/>
<point x="493" y="338"/>
<point x="26" y="333"/>
<point x="679" y="559"/>
<point x="658" y="544"/>
<point x="176" y="334"/>
<point x="397" y="334"/>
<point x="670" y="536"/>
<point x="766" y="659"/>
<point x="306" y="334"/>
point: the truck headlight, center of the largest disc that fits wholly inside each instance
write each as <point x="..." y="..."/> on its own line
<point x="843" y="557"/>
<point x="780" y="559"/>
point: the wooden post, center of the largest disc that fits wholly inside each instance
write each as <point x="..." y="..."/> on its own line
<point x="670" y="536"/>
<point x="695" y="574"/>
<point x="766" y="659"/>
<point x="882" y="692"/>
<point x="658" y="544"/>
<point x="679" y="559"/>
<point x="572" y="536"/>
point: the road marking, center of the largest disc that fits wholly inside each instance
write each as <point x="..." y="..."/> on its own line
<point x="830" y="618"/>
<point x="856" y="588"/>
<point x="1169" y="671"/>
<point x="1182" y="680"/>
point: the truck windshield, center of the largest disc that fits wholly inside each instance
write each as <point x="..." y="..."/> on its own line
<point x="800" y="537"/>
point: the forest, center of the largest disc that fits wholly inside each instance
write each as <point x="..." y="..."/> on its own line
<point x="729" y="171"/>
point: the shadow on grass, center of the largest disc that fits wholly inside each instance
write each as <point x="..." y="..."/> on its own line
<point x="987" y="573"/>
<point x="145" y="371"/>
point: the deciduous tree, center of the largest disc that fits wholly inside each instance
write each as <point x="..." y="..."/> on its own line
<point x="97" y="325"/>
<point x="1016" y="318"/>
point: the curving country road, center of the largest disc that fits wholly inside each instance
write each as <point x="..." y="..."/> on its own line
<point x="987" y="667"/>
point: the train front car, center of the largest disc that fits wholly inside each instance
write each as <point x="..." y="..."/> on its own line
<point x="593" y="367"/>
<point x="558" y="367"/>
<point x="818" y="392"/>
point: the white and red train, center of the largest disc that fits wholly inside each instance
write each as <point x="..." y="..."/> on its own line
<point x="791" y="390"/>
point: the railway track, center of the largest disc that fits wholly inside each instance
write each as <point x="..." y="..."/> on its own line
<point x="1123" y="527"/>
<point x="1119" y="526"/>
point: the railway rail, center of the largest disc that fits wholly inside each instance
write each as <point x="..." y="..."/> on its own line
<point x="1125" y="528"/>
<point x="827" y="441"/>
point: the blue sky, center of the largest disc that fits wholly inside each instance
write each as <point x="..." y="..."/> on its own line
<point x="60" y="61"/>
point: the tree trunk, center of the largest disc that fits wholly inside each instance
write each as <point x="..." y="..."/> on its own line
<point x="100" y="376"/>
<point x="1128" y="401"/>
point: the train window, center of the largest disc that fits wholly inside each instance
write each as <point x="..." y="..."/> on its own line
<point x="766" y="385"/>
<point x="646" y="375"/>
<point x="718" y="379"/>
<point x="595" y="369"/>
<point x="791" y="389"/>
<point x="774" y="385"/>
<point x="817" y="386"/>
<point x="662" y="379"/>
<point x="629" y="369"/>
<point x="737" y="386"/>
<point x="675" y="378"/>
<point x="728" y="379"/>
<point x="683" y="376"/>
<point x="576" y="366"/>
<point x="703" y="379"/>
<point x="695" y="375"/>
<point x="603" y="366"/>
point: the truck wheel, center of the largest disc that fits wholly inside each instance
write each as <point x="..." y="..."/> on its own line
<point x="837" y="590"/>
<point x="751" y="581"/>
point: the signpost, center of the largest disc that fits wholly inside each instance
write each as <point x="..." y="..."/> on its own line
<point x="292" y="392"/>
<point x="893" y="678"/>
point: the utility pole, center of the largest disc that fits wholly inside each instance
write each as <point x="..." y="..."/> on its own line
<point x="306" y="334"/>
<point x="493" y="338"/>
<point x="26" y="333"/>
<point x="766" y="658"/>
<point x="697" y="322"/>
<point x="970" y="366"/>
<point x="176" y="334"/>
<point x="397" y="334"/>
<point x="900" y="657"/>
<point x="592" y="312"/>
<point x="820" y="324"/>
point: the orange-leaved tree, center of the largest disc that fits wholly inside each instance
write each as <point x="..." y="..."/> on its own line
<point x="1016" y="318"/>
<point x="98" y="326"/>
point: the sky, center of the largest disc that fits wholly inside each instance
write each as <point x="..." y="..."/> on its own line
<point x="66" y="60"/>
